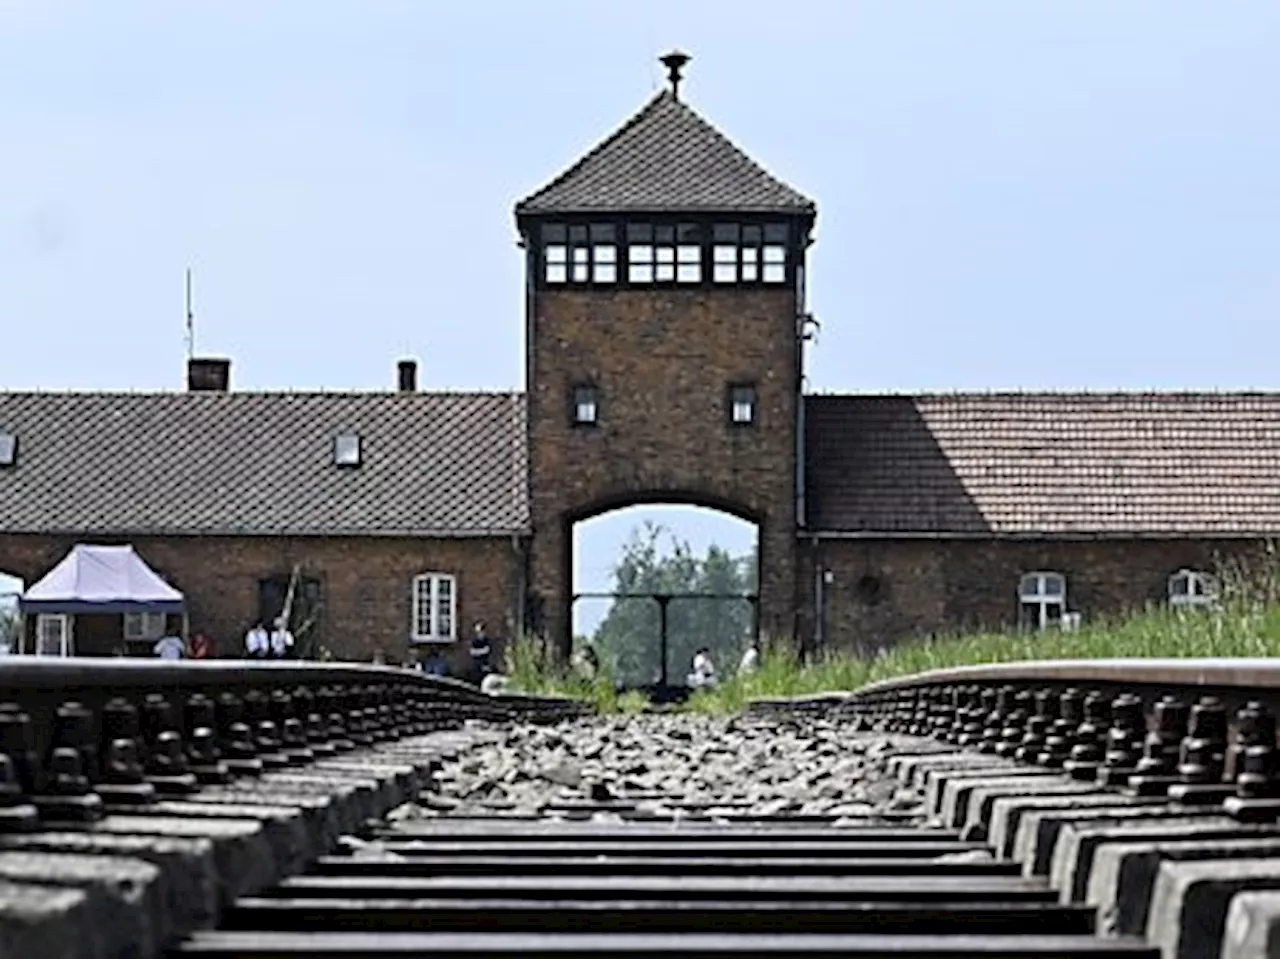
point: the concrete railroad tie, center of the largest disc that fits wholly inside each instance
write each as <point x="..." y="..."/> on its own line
<point x="128" y="885"/>
<point x="605" y="878"/>
<point x="1193" y="882"/>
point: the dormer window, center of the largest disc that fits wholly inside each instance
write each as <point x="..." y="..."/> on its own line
<point x="8" y="449"/>
<point x="742" y="404"/>
<point x="586" y="405"/>
<point x="346" y="449"/>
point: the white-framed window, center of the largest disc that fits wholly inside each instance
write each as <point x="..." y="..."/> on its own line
<point x="1191" y="587"/>
<point x="53" y="634"/>
<point x="1042" y="600"/>
<point x="143" y="625"/>
<point x="435" y="608"/>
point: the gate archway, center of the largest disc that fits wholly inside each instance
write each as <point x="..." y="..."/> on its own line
<point x="653" y="583"/>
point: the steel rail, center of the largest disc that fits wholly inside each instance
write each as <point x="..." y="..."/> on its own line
<point x="1249" y="675"/>
<point x="1197" y="732"/>
<point x="83" y="737"/>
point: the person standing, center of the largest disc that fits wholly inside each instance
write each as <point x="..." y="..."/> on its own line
<point x="201" y="647"/>
<point x="257" y="642"/>
<point x="481" y="648"/>
<point x="170" y="647"/>
<point x="281" y="639"/>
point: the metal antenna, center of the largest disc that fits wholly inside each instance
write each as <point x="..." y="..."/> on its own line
<point x="191" y="321"/>
<point x="674" y="62"/>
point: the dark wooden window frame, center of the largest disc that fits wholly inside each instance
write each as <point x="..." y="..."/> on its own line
<point x="694" y="231"/>
<point x="592" y="238"/>
<point x="574" y="391"/>
<point x="731" y="395"/>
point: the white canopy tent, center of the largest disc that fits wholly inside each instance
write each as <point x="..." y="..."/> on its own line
<point x="98" y="579"/>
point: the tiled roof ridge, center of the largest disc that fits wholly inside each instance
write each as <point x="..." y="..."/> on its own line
<point x="590" y="154"/>
<point x="747" y="157"/>
<point x="659" y="99"/>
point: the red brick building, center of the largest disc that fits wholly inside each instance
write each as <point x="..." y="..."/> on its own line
<point x="666" y="326"/>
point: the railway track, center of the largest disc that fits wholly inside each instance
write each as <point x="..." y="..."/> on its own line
<point x="1070" y="809"/>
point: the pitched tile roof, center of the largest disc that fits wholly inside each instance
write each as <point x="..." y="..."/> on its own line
<point x="1034" y="463"/>
<point x="262" y="463"/>
<point x="666" y="158"/>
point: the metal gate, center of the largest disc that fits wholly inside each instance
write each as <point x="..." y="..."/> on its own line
<point x="652" y="636"/>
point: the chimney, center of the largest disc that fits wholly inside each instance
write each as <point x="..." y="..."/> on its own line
<point x="208" y="375"/>
<point x="408" y="370"/>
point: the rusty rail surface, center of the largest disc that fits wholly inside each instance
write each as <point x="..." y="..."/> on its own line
<point x="79" y="737"/>
<point x="1201" y="732"/>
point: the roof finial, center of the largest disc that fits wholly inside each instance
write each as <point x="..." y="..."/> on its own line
<point x="674" y="62"/>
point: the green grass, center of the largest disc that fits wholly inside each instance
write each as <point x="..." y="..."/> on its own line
<point x="1245" y="622"/>
<point x="531" y="670"/>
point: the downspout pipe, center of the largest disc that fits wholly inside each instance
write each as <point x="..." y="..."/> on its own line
<point x="819" y="599"/>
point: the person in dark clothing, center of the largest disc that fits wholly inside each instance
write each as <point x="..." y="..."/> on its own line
<point x="434" y="665"/>
<point x="481" y="650"/>
<point x="201" y="647"/>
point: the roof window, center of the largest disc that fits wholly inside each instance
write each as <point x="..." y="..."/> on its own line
<point x="346" y="449"/>
<point x="8" y="449"/>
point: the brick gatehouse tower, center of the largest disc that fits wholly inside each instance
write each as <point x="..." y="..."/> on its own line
<point x="665" y="295"/>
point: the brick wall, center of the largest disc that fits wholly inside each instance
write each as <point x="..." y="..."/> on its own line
<point x="366" y="582"/>
<point x="939" y="586"/>
<point x="663" y="362"/>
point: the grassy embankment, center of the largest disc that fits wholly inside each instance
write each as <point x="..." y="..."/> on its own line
<point x="1244" y="622"/>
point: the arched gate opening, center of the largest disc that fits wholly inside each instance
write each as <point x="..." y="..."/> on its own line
<point x="653" y="584"/>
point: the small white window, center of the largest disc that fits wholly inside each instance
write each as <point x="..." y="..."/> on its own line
<point x="689" y="264"/>
<point x="53" y="634"/>
<point x="435" y="599"/>
<point x="581" y="264"/>
<point x="8" y="449"/>
<point x="556" y="256"/>
<point x="725" y="259"/>
<point x="346" y="449"/>
<point x="750" y="264"/>
<point x="605" y="267"/>
<point x="143" y="625"/>
<point x="1190" y="587"/>
<point x="775" y="264"/>
<point x="586" y="406"/>
<point x="640" y="263"/>
<point x="665" y="271"/>
<point x="742" y="404"/>
<point x="1042" y="600"/>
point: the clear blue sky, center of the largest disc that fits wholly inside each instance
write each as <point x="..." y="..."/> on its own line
<point x="1080" y="193"/>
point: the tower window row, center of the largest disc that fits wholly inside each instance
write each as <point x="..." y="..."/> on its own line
<point x="644" y="254"/>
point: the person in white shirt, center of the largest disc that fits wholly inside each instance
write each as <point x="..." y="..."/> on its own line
<point x="750" y="660"/>
<point x="703" y="672"/>
<point x="170" y="647"/>
<point x="256" y="641"/>
<point x="281" y="639"/>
